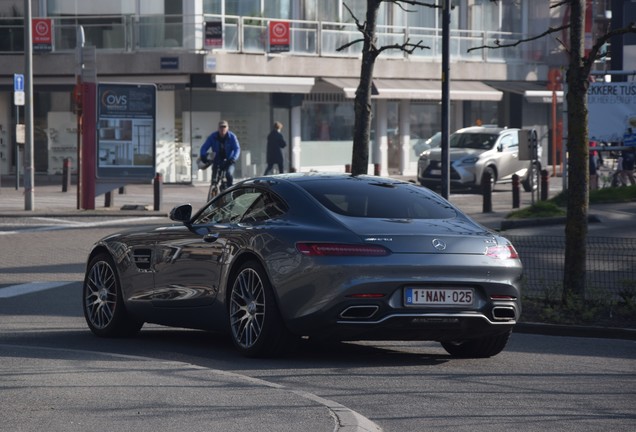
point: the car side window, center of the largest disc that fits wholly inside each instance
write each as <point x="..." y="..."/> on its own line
<point x="508" y="143"/>
<point x="266" y="207"/>
<point x="229" y="207"/>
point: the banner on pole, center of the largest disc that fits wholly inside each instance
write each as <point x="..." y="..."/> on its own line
<point x="612" y="112"/>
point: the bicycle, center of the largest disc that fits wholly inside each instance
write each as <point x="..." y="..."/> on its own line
<point x="217" y="184"/>
<point x="610" y="175"/>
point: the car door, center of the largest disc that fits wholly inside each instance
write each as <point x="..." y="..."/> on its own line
<point x="189" y="260"/>
<point x="509" y="162"/>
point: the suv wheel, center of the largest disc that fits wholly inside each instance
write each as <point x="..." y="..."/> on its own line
<point x="534" y="174"/>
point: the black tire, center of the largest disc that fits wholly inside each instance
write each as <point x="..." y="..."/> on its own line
<point x="536" y="178"/>
<point x="493" y="178"/>
<point x="478" y="348"/>
<point x="256" y="326"/>
<point x="103" y="303"/>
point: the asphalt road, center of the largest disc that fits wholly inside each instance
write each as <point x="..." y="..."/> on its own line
<point x="57" y="375"/>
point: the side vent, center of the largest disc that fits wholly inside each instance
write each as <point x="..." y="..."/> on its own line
<point x="142" y="258"/>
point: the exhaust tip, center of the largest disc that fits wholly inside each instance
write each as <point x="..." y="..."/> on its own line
<point x="359" y="312"/>
<point x="504" y="313"/>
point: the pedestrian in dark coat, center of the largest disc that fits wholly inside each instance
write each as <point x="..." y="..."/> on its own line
<point x="275" y="145"/>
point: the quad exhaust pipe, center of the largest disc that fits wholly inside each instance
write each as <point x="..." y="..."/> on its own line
<point x="359" y="312"/>
<point x="504" y="313"/>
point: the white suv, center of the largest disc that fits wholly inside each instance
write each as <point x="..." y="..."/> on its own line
<point x="476" y="150"/>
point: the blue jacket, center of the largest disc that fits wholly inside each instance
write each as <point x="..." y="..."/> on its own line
<point x="230" y="144"/>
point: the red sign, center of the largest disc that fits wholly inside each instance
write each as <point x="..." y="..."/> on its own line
<point x="278" y="36"/>
<point x="42" y="34"/>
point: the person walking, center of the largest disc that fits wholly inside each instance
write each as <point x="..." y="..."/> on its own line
<point x="226" y="148"/>
<point x="629" y="160"/>
<point x="275" y="145"/>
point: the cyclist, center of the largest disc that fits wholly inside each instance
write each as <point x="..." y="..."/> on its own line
<point x="226" y="148"/>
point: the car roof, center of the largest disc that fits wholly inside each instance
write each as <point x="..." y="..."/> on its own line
<point x="321" y="175"/>
<point x="485" y="129"/>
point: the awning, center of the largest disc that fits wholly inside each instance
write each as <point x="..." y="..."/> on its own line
<point x="130" y="79"/>
<point x="419" y="89"/>
<point x="534" y="92"/>
<point x="542" y="96"/>
<point x="263" y="84"/>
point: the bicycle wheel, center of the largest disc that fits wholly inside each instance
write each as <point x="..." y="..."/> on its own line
<point x="213" y="191"/>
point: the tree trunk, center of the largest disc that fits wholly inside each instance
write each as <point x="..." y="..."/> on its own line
<point x="578" y="160"/>
<point x="362" y="103"/>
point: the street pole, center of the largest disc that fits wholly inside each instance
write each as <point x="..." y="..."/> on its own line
<point x="445" y="98"/>
<point x="28" y="117"/>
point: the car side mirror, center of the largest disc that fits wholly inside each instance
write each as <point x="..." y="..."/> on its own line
<point x="182" y="213"/>
<point x="500" y="148"/>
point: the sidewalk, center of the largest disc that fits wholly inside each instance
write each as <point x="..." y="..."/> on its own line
<point x="611" y="220"/>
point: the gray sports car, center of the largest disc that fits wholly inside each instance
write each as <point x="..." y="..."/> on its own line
<point x="323" y="256"/>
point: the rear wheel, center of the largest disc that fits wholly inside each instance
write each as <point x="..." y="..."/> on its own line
<point x="257" y="327"/>
<point x="213" y="191"/>
<point x="531" y="182"/>
<point x="103" y="303"/>
<point x="478" y="348"/>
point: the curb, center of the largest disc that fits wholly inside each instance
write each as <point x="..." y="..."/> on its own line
<point x="534" y="222"/>
<point x="575" y="331"/>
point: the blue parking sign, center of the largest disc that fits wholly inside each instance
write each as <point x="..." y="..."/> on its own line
<point x="18" y="82"/>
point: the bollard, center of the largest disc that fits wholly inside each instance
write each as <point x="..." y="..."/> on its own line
<point x="486" y="190"/>
<point x="157" y="184"/>
<point x="377" y="169"/>
<point x="515" y="191"/>
<point x="108" y="199"/>
<point x="545" y="188"/>
<point x="348" y="168"/>
<point x="66" y="174"/>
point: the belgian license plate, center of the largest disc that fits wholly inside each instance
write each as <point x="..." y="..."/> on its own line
<point x="438" y="296"/>
<point x="436" y="172"/>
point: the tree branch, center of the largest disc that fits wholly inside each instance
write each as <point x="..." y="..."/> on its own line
<point x="407" y="47"/>
<point x="594" y="51"/>
<point x="520" y="41"/>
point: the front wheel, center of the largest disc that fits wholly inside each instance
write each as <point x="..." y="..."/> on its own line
<point x="255" y="322"/>
<point x="487" y="346"/>
<point x="103" y="302"/>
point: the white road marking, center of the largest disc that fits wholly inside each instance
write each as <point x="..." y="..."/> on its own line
<point x="79" y="224"/>
<point x="28" y="288"/>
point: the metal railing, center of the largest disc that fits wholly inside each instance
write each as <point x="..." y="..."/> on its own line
<point x="610" y="265"/>
<point x="241" y="34"/>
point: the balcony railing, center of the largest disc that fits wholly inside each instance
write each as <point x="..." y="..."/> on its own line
<point x="128" y="33"/>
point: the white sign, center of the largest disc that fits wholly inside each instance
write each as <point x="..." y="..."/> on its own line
<point x="20" y="133"/>
<point x="612" y="112"/>
<point x="18" y="98"/>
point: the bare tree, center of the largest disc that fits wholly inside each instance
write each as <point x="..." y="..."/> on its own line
<point x="370" y="52"/>
<point x="577" y="78"/>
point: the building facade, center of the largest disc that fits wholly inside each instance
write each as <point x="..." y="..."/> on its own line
<point x="216" y="59"/>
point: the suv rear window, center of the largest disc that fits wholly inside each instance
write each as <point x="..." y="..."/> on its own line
<point x="377" y="199"/>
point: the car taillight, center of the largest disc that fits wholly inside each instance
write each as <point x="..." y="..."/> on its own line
<point x="502" y="252"/>
<point x="337" y="249"/>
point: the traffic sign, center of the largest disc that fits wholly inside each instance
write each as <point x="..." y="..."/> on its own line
<point x="18" y="98"/>
<point x="18" y="82"/>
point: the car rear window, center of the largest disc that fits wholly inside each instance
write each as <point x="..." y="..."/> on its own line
<point x="377" y="199"/>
